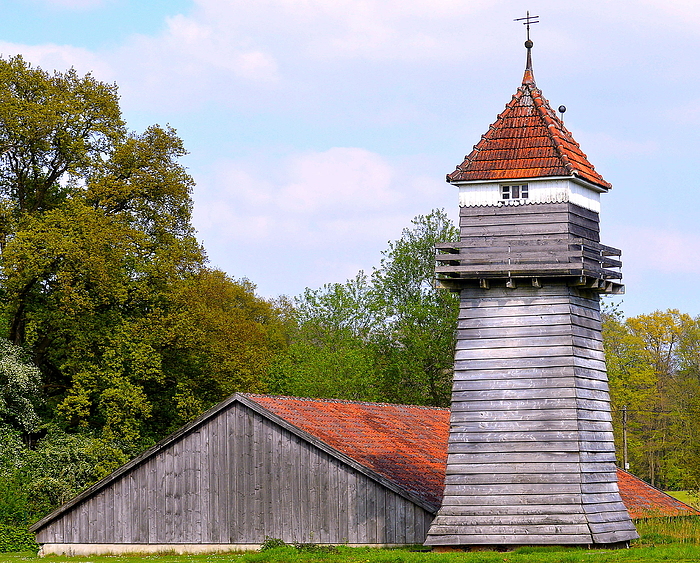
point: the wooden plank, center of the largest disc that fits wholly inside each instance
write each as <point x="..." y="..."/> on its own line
<point x="597" y="488"/>
<point x="391" y="520"/>
<point x="602" y="517"/>
<point x="514" y="520"/>
<point x="511" y="500"/>
<point x="516" y="385"/>
<point x="593" y="394"/>
<point x="455" y="478"/>
<point x="503" y="437"/>
<point x="323" y="497"/>
<point x="522" y="511"/>
<point x="401" y="520"/>
<point x="511" y="470"/>
<point x="475" y="321"/>
<point x="526" y="529"/>
<point x="605" y="507"/>
<point x="509" y="539"/>
<point x="525" y="363"/>
<point x="545" y="393"/>
<point x="528" y="331"/>
<point x="515" y="447"/>
<point x="258" y="481"/>
<point x="527" y="457"/>
<point x="500" y="373"/>
<point x="554" y="207"/>
<point x="523" y="426"/>
<point x="353" y="516"/>
<point x="592" y="384"/>
<point x="382" y="535"/>
<point x="511" y="405"/>
<point x="371" y="517"/>
<point x="239" y="481"/>
<point x="477" y="415"/>
<point x="518" y="343"/>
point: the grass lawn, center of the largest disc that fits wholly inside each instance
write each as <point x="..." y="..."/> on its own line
<point x="676" y="540"/>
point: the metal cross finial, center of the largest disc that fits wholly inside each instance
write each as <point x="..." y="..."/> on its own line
<point x="527" y="21"/>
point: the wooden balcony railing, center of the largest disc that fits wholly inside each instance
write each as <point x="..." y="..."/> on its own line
<point x="498" y="257"/>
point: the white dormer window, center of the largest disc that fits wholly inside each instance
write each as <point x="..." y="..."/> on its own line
<point x="518" y="191"/>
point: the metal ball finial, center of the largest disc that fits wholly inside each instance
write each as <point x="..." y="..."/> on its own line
<point x="528" y="44"/>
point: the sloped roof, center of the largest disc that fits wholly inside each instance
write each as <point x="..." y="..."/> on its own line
<point x="527" y="140"/>
<point x="408" y="446"/>
<point x="643" y="501"/>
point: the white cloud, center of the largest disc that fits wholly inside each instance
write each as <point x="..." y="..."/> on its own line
<point x="323" y="215"/>
<point x="61" y="57"/>
<point x="665" y="251"/>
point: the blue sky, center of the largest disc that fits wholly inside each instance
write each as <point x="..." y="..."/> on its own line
<point x="318" y="128"/>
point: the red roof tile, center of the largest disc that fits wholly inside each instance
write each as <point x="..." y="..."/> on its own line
<point x="527" y="140"/>
<point x="408" y="445"/>
<point x="643" y="501"/>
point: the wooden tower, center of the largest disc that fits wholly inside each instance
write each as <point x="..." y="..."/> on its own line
<point x="531" y="458"/>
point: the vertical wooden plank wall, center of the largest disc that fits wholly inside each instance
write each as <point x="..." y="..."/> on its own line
<point x="236" y="479"/>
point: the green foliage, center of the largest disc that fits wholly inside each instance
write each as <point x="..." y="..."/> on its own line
<point x="16" y="538"/>
<point x="653" y="370"/>
<point x="101" y="278"/>
<point x="387" y="337"/>
<point x="19" y="388"/>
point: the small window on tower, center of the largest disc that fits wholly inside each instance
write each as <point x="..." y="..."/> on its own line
<point x="519" y="191"/>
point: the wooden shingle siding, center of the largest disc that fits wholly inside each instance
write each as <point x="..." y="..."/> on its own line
<point x="531" y="452"/>
<point x="235" y="479"/>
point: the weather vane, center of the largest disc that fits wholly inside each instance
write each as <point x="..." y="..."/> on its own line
<point x="527" y="20"/>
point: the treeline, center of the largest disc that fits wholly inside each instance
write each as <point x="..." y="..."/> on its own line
<point x="654" y="372"/>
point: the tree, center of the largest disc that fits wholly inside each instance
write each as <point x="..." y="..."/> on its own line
<point x="388" y="337"/>
<point x="101" y="277"/>
<point x="419" y="320"/>
<point x="652" y="367"/>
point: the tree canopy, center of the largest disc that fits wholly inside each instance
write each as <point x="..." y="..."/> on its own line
<point x="384" y="337"/>
<point x="102" y="281"/>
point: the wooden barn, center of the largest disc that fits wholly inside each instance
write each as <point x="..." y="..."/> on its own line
<point x="322" y="471"/>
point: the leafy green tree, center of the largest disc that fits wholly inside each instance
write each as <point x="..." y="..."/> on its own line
<point x="652" y="370"/>
<point x="101" y="277"/>
<point x="419" y="320"/>
<point x="388" y="337"/>
<point x="331" y="353"/>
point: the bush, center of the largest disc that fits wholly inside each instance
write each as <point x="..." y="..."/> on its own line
<point x="16" y="538"/>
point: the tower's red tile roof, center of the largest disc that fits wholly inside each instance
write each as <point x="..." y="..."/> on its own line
<point x="408" y="445"/>
<point x="527" y="140"/>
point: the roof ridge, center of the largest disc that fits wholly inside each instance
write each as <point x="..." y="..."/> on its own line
<point x="348" y="401"/>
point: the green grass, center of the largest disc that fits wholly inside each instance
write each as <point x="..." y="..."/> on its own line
<point x="663" y="540"/>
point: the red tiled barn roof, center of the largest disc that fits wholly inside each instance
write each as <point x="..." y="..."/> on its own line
<point x="408" y="445"/>
<point x="642" y="500"/>
<point x="527" y="140"/>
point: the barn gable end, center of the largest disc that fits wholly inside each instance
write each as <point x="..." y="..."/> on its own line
<point x="235" y="476"/>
